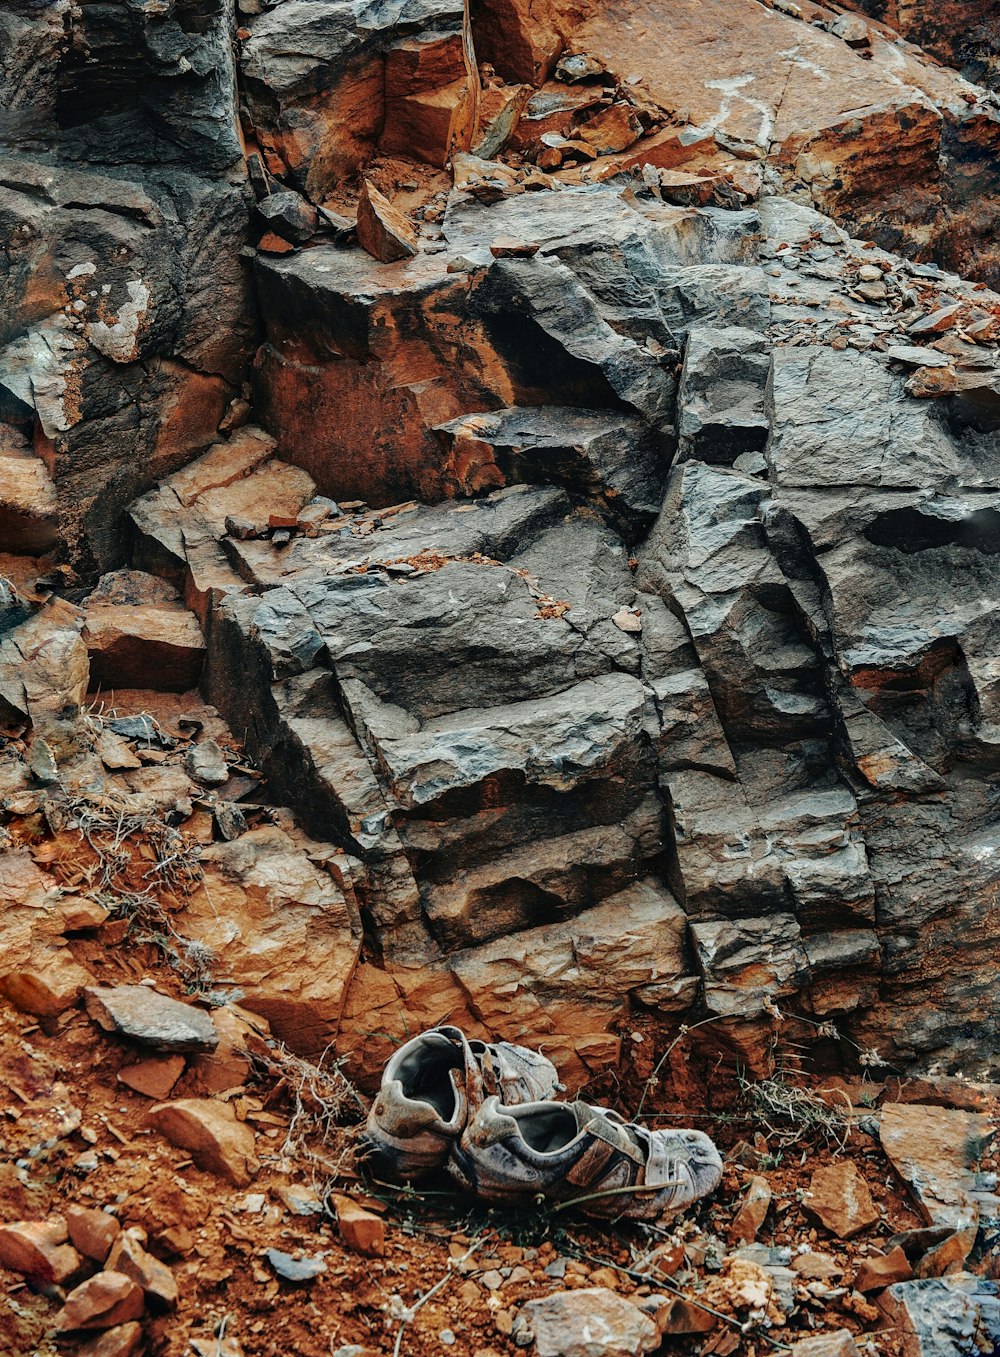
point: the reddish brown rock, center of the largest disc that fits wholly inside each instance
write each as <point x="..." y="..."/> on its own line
<point x="383" y="230"/>
<point x="666" y="1259"/>
<point x="101" y="1302"/>
<point x="930" y="382"/>
<point x="47" y="672"/>
<point x="509" y="247"/>
<point x="153" y="1078"/>
<point x="28" y="505"/>
<point x="223" y="465"/>
<point x="271" y="243"/>
<point x="128" y="1257"/>
<point x="881" y="1271"/>
<point x="847" y="134"/>
<point x="92" y="1231"/>
<point x="947" y="1257"/>
<point x="431" y="97"/>
<point x="361" y="1230"/>
<point x="840" y="1200"/>
<point x="839" y="1343"/>
<point x="936" y="322"/>
<point x="264" y="908"/>
<point x="316" y="121"/>
<point x="817" y="1266"/>
<point x="362" y="426"/>
<point x="555" y="107"/>
<point x="612" y="129"/>
<point x="682" y="1316"/>
<point x="934" y="1150"/>
<point x="752" y="1213"/>
<point x="29" y="894"/>
<point x="499" y="111"/>
<point x="227" y="1066"/>
<point x="79" y="914"/>
<point x="217" y="1142"/>
<point x="124" y="1340"/>
<point x="519" y="38"/>
<point x="541" y="987"/>
<point x="381" y="1005"/>
<point x="38" y="1250"/>
<point x="664" y="150"/>
<point x="131" y="645"/>
<point x="48" y="985"/>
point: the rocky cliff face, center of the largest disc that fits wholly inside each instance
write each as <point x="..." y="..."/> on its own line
<point x="556" y="441"/>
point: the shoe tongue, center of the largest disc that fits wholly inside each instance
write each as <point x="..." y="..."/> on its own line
<point x="514" y="1073"/>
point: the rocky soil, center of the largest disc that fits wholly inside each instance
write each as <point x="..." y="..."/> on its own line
<point x="498" y="504"/>
<point x="176" y="1181"/>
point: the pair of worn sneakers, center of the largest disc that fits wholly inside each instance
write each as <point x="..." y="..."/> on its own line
<point x="486" y="1113"/>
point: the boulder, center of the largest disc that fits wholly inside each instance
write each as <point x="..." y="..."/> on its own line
<point x="383" y="230"/>
<point x="124" y="1340"/>
<point x="840" y="1200"/>
<point x="102" y="1302"/>
<point x="132" y="645"/>
<point x="289" y="216"/>
<point x="880" y="1271"/>
<point x="49" y="984"/>
<point x="324" y="85"/>
<point x="800" y="129"/>
<point x="431" y="96"/>
<point x="38" y="1249"/>
<point x="264" y="907"/>
<point x="29" y="509"/>
<point x="151" y="1019"/>
<point x="92" y="1231"/>
<point x="155" y="1077"/>
<point x="362" y="1231"/>
<point x="128" y="1257"/>
<point x="206" y="763"/>
<point x="940" y="1316"/>
<point x="603" y="455"/>
<point x="210" y="1131"/>
<point x="590" y="1322"/>
<point x="934" y="1150"/>
<point x="123" y="371"/>
<point x="721" y="414"/>
<point x="752" y="1213"/>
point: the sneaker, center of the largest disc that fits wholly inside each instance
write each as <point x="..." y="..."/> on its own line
<point x="565" y="1151"/>
<point x="427" y="1089"/>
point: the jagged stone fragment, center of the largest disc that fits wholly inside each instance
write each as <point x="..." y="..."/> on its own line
<point x="151" y="1019"/>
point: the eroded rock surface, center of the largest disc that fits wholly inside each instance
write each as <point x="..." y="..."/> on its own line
<point x="587" y="534"/>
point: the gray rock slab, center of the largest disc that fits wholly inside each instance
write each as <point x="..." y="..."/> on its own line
<point x="151" y="1019"/>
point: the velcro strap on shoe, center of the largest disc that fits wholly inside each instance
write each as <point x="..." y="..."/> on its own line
<point x="592" y="1165"/>
<point x="601" y="1128"/>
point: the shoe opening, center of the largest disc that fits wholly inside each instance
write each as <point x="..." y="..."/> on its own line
<point x="425" y="1074"/>
<point x="545" y="1129"/>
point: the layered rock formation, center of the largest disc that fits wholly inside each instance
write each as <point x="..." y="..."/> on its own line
<point x="589" y="536"/>
<point x="127" y="322"/>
